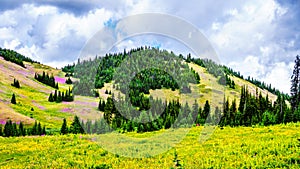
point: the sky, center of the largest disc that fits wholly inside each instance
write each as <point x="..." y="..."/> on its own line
<point x="258" y="38"/>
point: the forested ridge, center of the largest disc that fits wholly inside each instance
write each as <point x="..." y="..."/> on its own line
<point x="15" y="57"/>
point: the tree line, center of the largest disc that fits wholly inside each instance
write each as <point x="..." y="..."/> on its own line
<point x="59" y="96"/>
<point x="256" y="109"/>
<point x="12" y="129"/>
<point x="15" y="57"/>
<point x="46" y="79"/>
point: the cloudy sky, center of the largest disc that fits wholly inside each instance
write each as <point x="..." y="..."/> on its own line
<point x="257" y="38"/>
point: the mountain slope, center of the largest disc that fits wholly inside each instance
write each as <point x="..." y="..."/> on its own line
<point x="32" y="97"/>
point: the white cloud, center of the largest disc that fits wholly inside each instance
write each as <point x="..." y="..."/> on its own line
<point x="280" y="76"/>
<point x="45" y="33"/>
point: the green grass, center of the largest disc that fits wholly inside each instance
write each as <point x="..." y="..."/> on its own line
<point x="240" y="147"/>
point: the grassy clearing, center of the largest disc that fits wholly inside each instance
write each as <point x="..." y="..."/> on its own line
<point x="240" y="147"/>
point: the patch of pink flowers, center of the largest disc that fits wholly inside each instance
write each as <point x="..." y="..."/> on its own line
<point x="66" y="109"/>
<point x="2" y="122"/>
<point x="93" y="104"/>
<point x="60" y="79"/>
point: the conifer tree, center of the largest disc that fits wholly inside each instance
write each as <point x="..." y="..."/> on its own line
<point x="295" y="80"/>
<point x="69" y="81"/>
<point x="108" y="110"/>
<point x="206" y="110"/>
<point x="22" y="130"/>
<point x="39" y="129"/>
<point x="13" y="99"/>
<point x="34" y="129"/>
<point x="64" y="127"/>
<point x="8" y="128"/>
<point x="14" y="130"/>
<point x="44" y="131"/>
<point x="50" y="99"/>
<point x="76" y="127"/>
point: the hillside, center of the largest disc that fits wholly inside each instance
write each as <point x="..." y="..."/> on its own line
<point x="32" y="98"/>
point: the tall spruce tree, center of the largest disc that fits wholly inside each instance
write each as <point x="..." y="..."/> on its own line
<point x="13" y="99"/>
<point x="295" y="79"/>
<point x="76" y="126"/>
<point x="22" y="131"/>
<point x="64" y="127"/>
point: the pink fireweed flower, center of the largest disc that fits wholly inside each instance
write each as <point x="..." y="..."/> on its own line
<point x="60" y="79"/>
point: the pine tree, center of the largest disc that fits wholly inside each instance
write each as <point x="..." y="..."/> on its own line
<point x="206" y="110"/>
<point x="44" y="131"/>
<point x="21" y="129"/>
<point x="13" y="99"/>
<point x="295" y="79"/>
<point x="34" y="129"/>
<point x="8" y="128"/>
<point x="76" y="127"/>
<point x="59" y="98"/>
<point x="50" y="99"/>
<point x="14" y="130"/>
<point x="64" y="127"/>
<point x="108" y="110"/>
<point x="69" y="81"/>
<point x="39" y="129"/>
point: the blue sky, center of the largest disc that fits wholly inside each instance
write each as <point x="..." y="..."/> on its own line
<point x="257" y="38"/>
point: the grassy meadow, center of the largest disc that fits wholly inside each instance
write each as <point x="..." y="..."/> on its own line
<point x="240" y="147"/>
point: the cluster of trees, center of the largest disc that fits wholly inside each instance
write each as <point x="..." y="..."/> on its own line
<point x="59" y="96"/>
<point x="75" y="128"/>
<point x="69" y="81"/>
<point x="86" y="71"/>
<point x="11" y="129"/>
<point x="15" y="57"/>
<point x="160" y="115"/>
<point x="252" y="110"/>
<point x="94" y="73"/>
<point x="46" y="79"/>
<point x="256" y="109"/>
<point x="69" y="69"/>
<point x="16" y="83"/>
